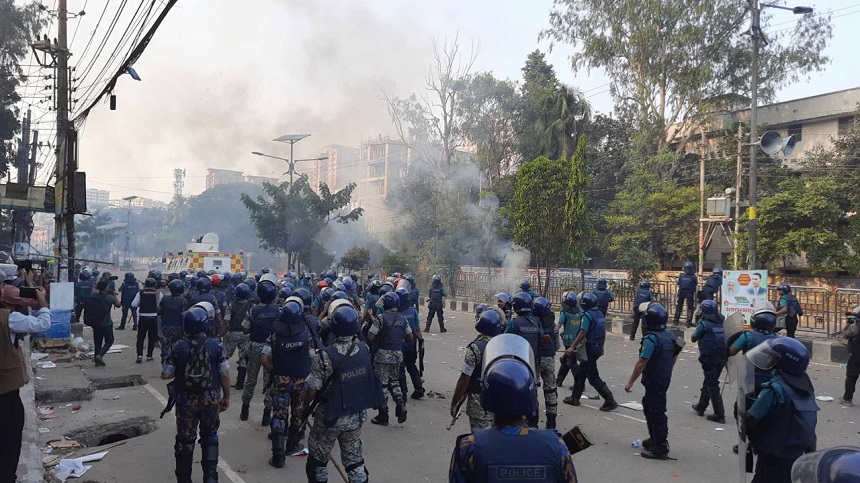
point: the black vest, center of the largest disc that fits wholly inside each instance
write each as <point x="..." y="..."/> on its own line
<point x="171" y="311"/>
<point x="147" y="301"/>
<point x="262" y="317"/>
<point x="393" y="331"/>
<point x="291" y="356"/>
<point x="533" y="457"/>
<point x="238" y="312"/>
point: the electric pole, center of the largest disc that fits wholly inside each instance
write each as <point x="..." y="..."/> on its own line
<point x="64" y="244"/>
<point x="755" y="32"/>
<point x="21" y="218"/>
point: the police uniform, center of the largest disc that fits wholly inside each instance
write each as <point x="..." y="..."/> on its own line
<point x="569" y="323"/>
<point x="604" y="297"/>
<point x="390" y="332"/>
<point x="789" y="301"/>
<point x="687" y="284"/>
<point x="344" y="375"/>
<point x="659" y="348"/>
<point x="547" y="346"/>
<point x="170" y="309"/>
<point x="291" y="357"/>
<point x="83" y="291"/>
<point x="435" y="306"/>
<point x="259" y="322"/>
<point x="410" y="355"/>
<point x="195" y="409"/>
<point x="711" y="339"/>
<point x="127" y="291"/>
<point x="236" y="337"/>
<point x="593" y="324"/>
<point x="747" y="341"/>
<point x="213" y="331"/>
<point x="711" y="287"/>
<point x="642" y="295"/>
<point x="479" y="418"/>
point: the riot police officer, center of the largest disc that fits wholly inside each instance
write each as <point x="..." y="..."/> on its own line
<point x="259" y="324"/>
<point x="392" y="329"/>
<point x="204" y="294"/>
<point x="488" y="325"/>
<point x="763" y="321"/>
<point x="604" y="296"/>
<point x="339" y="409"/>
<point x="712" y="356"/>
<point x="510" y="448"/>
<point x="411" y="347"/>
<point x="852" y="369"/>
<point x="287" y="356"/>
<point x="712" y="285"/>
<point x="547" y="345"/>
<point x="83" y="290"/>
<point x="788" y="307"/>
<point x="526" y="286"/>
<point x="687" y="284"/>
<point x="236" y="337"/>
<point x="657" y="357"/>
<point x="127" y="291"/>
<point x="781" y="422"/>
<point x="643" y="294"/>
<point x="414" y="294"/>
<point x="202" y="391"/>
<point x="435" y="304"/>
<point x="591" y="334"/>
<point x="170" y="310"/>
<point x="568" y="321"/>
<point x="503" y="307"/>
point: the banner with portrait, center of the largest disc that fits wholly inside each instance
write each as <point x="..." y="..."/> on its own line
<point x="743" y="292"/>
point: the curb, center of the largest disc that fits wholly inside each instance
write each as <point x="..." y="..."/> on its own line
<point x="30" y="467"/>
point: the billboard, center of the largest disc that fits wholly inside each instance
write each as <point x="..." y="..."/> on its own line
<point x="743" y="292"/>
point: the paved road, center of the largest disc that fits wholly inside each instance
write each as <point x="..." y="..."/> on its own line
<point x="420" y="449"/>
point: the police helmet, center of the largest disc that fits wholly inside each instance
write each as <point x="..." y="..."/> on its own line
<point x="782" y="353"/>
<point x="405" y="301"/>
<point x="784" y="288"/>
<point x="718" y="272"/>
<point x="209" y="308"/>
<point x="269" y="277"/>
<point x="411" y="280"/>
<point x="689" y="268"/>
<point x="489" y="323"/>
<point x="203" y="284"/>
<point x="189" y="278"/>
<point x="305" y="295"/>
<point x="95" y="272"/>
<point x="329" y="282"/>
<point x="182" y="274"/>
<point x="344" y="320"/>
<point x="709" y="307"/>
<point x="227" y="276"/>
<point x="201" y="273"/>
<point x="522" y="303"/>
<point x="385" y="288"/>
<point x="326" y="295"/>
<point x="129" y="278"/>
<point x="437" y="279"/>
<point x="322" y="284"/>
<point x="763" y="320"/>
<point x="601" y="284"/>
<point x="505" y="298"/>
<point x="292" y="313"/>
<point x="478" y="309"/>
<point x="375" y="284"/>
<point x="390" y="280"/>
<point x="149" y="283"/>
<point x="348" y="284"/>
<point x="655" y="316"/>
<point x="340" y="287"/>
<point x="588" y="301"/>
<point x="251" y="283"/>
<point x="525" y="285"/>
<point x="646" y="284"/>
<point x="85" y="275"/>
<point x="267" y="292"/>
<point x="216" y="280"/>
<point x="238" y="278"/>
<point x="155" y="274"/>
<point x="568" y="301"/>
<point x="243" y="291"/>
<point x="339" y="295"/>
<point x="176" y="287"/>
<point x="285" y="293"/>
<point x="541" y="307"/>
<point x="265" y="270"/>
<point x="833" y="465"/>
<point x="508" y="386"/>
<point x="195" y="320"/>
<point x="390" y="301"/>
<point x="172" y="276"/>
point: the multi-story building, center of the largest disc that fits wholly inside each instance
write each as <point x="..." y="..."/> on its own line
<point x="340" y="169"/>
<point x="97" y="199"/>
<point x="259" y="180"/>
<point x="215" y="177"/>
<point x="382" y="161"/>
<point x="147" y="203"/>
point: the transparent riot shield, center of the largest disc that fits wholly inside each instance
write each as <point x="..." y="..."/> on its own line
<point x="742" y="377"/>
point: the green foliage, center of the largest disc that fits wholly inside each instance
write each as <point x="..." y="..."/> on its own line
<point x="356" y="258"/>
<point x="491" y="109"/>
<point x="399" y="262"/>
<point x="92" y="239"/>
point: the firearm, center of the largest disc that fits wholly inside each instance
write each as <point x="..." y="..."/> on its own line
<point x="421" y="357"/>
<point x="457" y="415"/>
<point x="171" y="398"/>
<point x="576" y="440"/>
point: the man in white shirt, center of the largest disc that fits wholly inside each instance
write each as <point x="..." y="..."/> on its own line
<point x="147" y="301"/>
<point x="13" y="376"/>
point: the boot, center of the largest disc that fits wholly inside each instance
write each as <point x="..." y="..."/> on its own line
<point x="648" y="444"/>
<point x="278" y="450"/>
<point x="427" y="327"/>
<point x="657" y="452"/>
<point x="533" y="421"/>
<point x="400" y="412"/>
<point x="417" y="394"/>
<point x="609" y="403"/>
<point x="381" y="418"/>
<point x="575" y="394"/>
<point x="702" y="405"/>
<point x="243" y="415"/>
<point x="209" y="463"/>
<point x="267" y="417"/>
<point x="719" y="415"/>
<point x="184" y="463"/>
<point x="292" y="444"/>
<point x="240" y="378"/>
<point x="550" y="421"/>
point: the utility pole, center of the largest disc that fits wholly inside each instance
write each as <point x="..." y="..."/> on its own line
<point x="702" y="150"/>
<point x="64" y="245"/>
<point x="755" y="32"/>
<point x="21" y="218"/>
<point x="738" y="178"/>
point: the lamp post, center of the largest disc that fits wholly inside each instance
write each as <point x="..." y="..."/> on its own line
<point x="292" y="139"/>
<point x="129" y="199"/>
<point x="756" y="34"/>
<point x="291" y="162"/>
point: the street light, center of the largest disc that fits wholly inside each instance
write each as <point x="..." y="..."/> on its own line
<point x="292" y="139"/>
<point x="756" y="34"/>
<point x="291" y="162"/>
<point x="128" y="227"/>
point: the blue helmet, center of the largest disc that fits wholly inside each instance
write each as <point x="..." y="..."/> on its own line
<point x="646" y="284"/>
<point x="176" y="287"/>
<point x="129" y="278"/>
<point x="526" y="285"/>
<point x="251" y="283"/>
<point x="390" y="301"/>
<point x="709" y="307"/>
<point x="718" y="272"/>
<point x="328" y="282"/>
<point x="85" y="275"/>
<point x="95" y="273"/>
<point x="689" y="268"/>
<point x="326" y="294"/>
<point x="763" y="320"/>
<point x="833" y="465"/>
<point x="238" y="278"/>
<point x="201" y="273"/>
<point x="784" y="287"/>
<point x="655" y="316"/>
<point x="265" y="270"/>
<point x="522" y="302"/>
<point x="505" y="298"/>
<point x="305" y="295"/>
<point x="243" y="291"/>
<point x="292" y="312"/>
<point x="782" y="353"/>
<point x="344" y="320"/>
<point x="267" y="292"/>
<point x="203" y="284"/>
<point x="348" y="284"/>
<point x="385" y="288"/>
<point x="339" y="295"/>
<point x="285" y="293"/>
<point x="568" y="301"/>
<point x="541" y="307"/>
<point x="183" y="274"/>
<point x="411" y="280"/>
<point x="588" y="301"/>
<point x="508" y="386"/>
<point x="340" y="287"/>
<point x="195" y="321"/>
<point x="149" y="283"/>
<point x="601" y="284"/>
<point x="437" y="280"/>
<point x="479" y="308"/>
<point x="488" y="323"/>
<point x="405" y="301"/>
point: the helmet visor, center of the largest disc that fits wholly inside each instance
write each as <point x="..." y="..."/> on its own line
<point x="509" y="346"/>
<point x="763" y="357"/>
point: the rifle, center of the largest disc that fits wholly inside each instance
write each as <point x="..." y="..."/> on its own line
<point x="421" y="357"/>
<point x="171" y="398"/>
<point x="459" y="411"/>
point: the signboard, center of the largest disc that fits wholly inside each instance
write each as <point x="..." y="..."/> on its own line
<point x="743" y="292"/>
<point x="22" y="197"/>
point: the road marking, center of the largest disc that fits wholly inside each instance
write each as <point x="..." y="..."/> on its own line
<point x="222" y="465"/>
<point x="616" y="413"/>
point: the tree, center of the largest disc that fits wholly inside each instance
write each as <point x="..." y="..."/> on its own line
<point x="289" y="217"/>
<point x="672" y="62"/>
<point x="96" y="235"/>
<point x="536" y="209"/>
<point x="398" y="262"/>
<point x="576" y="228"/>
<point x="491" y="108"/>
<point x="355" y="259"/>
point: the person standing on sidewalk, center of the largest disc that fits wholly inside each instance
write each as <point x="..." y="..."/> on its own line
<point x="148" y="302"/>
<point x="13" y="376"/>
<point x="127" y="293"/>
<point x="435" y="304"/>
<point x="851" y="331"/>
<point x="97" y="315"/>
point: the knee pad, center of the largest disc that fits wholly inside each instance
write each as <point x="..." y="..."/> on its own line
<point x="355" y="465"/>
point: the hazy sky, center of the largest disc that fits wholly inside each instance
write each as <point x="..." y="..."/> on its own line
<point x="223" y="78"/>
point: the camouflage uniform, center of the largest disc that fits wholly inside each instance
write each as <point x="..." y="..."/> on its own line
<point x="254" y="356"/>
<point x="478" y="417"/>
<point x="346" y="430"/>
<point x="169" y="335"/>
<point x="236" y="339"/>
<point x="386" y="364"/>
<point x="546" y="369"/>
<point x="287" y="395"/>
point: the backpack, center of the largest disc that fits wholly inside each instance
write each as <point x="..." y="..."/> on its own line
<point x="95" y="310"/>
<point x="797" y="309"/>
<point x="198" y="370"/>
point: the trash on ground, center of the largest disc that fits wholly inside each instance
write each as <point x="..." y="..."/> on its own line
<point x="632" y="405"/>
<point x="35" y="356"/>
<point x="301" y="452"/>
<point x="44" y="430"/>
<point x="45" y="365"/>
<point x="719" y="429"/>
<point x="76" y="407"/>
<point x="66" y="469"/>
<point x="824" y="398"/>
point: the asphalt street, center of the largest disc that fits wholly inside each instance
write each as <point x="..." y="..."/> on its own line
<point x="420" y="449"/>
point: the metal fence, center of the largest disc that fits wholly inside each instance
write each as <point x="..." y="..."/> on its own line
<point x="824" y="308"/>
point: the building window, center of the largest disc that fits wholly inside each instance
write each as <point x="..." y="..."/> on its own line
<point x="796" y="130"/>
<point x="845" y="124"/>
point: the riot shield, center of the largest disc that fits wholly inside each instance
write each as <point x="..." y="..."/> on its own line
<point x="732" y="327"/>
<point x="744" y="382"/>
